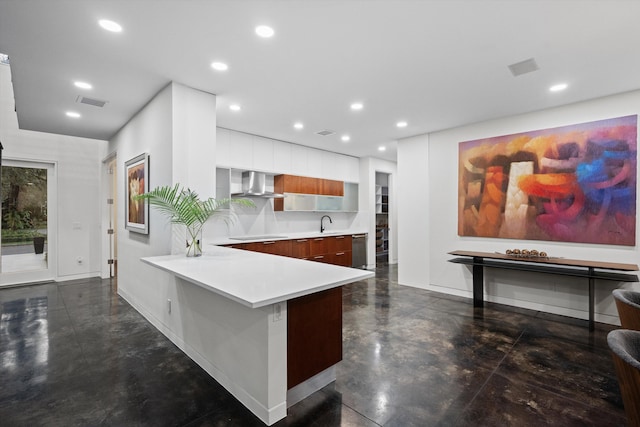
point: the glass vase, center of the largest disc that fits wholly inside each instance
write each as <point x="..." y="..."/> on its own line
<point x="194" y="243"/>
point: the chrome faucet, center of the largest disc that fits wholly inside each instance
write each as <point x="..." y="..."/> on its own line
<point x="322" y="224"/>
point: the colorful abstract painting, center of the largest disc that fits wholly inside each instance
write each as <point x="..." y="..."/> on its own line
<point x="571" y="184"/>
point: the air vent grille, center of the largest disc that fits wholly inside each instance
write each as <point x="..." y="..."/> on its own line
<point x="91" y="101"/>
<point x="523" y="67"/>
<point x="326" y="132"/>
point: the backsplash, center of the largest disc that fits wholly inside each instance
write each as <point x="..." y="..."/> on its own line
<point x="263" y="220"/>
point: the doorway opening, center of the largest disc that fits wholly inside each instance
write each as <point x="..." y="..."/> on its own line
<point x="382" y="217"/>
<point x="26" y="235"/>
<point x="110" y="268"/>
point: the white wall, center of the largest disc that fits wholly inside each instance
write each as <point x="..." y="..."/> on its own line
<point x="77" y="168"/>
<point x="429" y="231"/>
<point x="413" y="203"/>
<point x="173" y="128"/>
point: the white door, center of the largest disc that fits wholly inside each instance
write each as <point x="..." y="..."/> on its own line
<point x="28" y="213"/>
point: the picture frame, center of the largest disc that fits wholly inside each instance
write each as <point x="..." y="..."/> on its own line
<point x="136" y="182"/>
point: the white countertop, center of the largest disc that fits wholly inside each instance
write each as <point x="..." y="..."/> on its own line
<point x="284" y="236"/>
<point x="255" y="279"/>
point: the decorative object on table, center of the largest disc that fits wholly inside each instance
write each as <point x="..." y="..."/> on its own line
<point x="183" y="206"/>
<point x="136" y="210"/>
<point x="526" y="253"/>
<point x="573" y="183"/>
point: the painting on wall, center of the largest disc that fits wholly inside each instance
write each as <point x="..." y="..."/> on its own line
<point x="573" y="183"/>
<point x="137" y="182"/>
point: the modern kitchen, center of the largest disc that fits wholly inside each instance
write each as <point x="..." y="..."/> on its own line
<point x="324" y="292"/>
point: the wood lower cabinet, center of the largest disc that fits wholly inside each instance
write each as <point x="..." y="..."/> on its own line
<point x="314" y="334"/>
<point x="339" y="244"/>
<point x="300" y="248"/>
<point x="332" y="249"/>
<point x="341" y="258"/>
<point x="273" y="247"/>
<point x="336" y="250"/>
<point x="318" y="246"/>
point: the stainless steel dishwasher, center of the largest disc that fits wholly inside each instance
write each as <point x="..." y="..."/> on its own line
<point x="359" y="251"/>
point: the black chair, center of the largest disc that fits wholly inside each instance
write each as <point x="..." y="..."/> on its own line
<point x="625" y="347"/>
<point x="628" y="305"/>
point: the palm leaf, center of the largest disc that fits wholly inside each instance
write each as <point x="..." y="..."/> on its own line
<point x="183" y="206"/>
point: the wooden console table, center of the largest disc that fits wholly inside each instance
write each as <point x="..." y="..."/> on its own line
<point x="567" y="267"/>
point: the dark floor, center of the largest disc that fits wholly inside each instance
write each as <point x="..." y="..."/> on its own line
<point x="76" y="354"/>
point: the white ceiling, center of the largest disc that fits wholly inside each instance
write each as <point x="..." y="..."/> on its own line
<point x="435" y="64"/>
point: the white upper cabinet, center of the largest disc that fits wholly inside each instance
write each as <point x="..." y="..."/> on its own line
<point x="282" y="157"/>
<point x="262" y="154"/>
<point x="332" y="166"/>
<point x="222" y="147"/>
<point x="352" y="169"/>
<point x="299" y="160"/>
<point x="314" y="163"/>
<point x="241" y="150"/>
<point x="237" y="150"/>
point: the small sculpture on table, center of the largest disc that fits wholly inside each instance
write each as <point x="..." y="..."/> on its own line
<point x="526" y="253"/>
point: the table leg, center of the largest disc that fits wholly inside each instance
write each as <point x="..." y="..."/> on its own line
<point x="478" y="282"/>
<point x="591" y="300"/>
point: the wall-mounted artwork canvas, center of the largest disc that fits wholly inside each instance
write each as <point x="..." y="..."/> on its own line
<point x="137" y="182"/>
<point x="570" y="184"/>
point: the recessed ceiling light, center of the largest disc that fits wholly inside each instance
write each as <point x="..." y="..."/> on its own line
<point x="73" y="114"/>
<point x="382" y="148"/>
<point x="401" y="124"/>
<point x="234" y="107"/>
<point x="112" y="26"/>
<point x="357" y="106"/>
<point x="345" y="138"/>
<point x="298" y="125"/>
<point x="82" y="85"/>
<point x="559" y="87"/>
<point x="264" y="31"/>
<point x="219" y="66"/>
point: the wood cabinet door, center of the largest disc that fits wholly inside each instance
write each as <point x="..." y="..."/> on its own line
<point x="318" y="246"/>
<point x="341" y="258"/>
<point x="330" y="187"/>
<point x="237" y="246"/>
<point x="300" y="248"/>
<point x="314" y="334"/>
<point x="307" y="185"/>
<point x="274" y="247"/>
<point x="338" y="244"/>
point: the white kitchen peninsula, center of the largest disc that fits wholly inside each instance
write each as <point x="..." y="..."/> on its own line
<point x="232" y="319"/>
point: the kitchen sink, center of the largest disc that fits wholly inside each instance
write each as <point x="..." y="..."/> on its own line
<point x="260" y="237"/>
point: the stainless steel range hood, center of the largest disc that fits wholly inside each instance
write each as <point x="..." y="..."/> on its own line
<point x="254" y="184"/>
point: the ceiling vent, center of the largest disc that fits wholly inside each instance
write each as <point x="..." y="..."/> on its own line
<point x="325" y="132"/>
<point x="90" y="101"/>
<point x="523" y="67"/>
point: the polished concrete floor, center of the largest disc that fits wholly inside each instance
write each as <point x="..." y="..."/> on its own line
<point x="77" y="354"/>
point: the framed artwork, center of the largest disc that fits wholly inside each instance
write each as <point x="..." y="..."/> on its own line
<point x="573" y="183"/>
<point x="137" y="182"/>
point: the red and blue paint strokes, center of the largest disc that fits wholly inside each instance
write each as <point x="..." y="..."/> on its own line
<point x="573" y="184"/>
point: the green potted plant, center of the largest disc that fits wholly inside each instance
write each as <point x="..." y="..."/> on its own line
<point x="183" y="206"/>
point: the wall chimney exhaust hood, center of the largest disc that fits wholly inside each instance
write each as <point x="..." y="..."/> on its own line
<point x="254" y="184"/>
